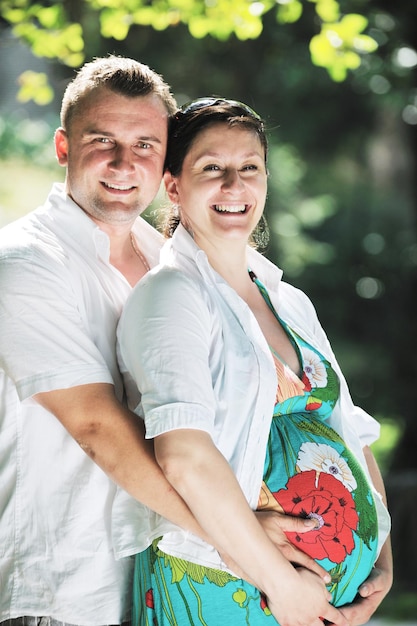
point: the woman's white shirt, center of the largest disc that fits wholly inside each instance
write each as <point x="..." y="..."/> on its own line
<point x="196" y="352"/>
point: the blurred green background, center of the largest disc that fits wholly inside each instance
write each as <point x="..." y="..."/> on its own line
<point x="342" y="120"/>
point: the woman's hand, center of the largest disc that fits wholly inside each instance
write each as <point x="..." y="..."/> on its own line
<point x="372" y="591"/>
<point x="375" y="588"/>
<point x="276" y="524"/>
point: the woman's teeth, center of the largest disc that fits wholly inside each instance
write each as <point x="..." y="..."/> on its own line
<point x="227" y="208"/>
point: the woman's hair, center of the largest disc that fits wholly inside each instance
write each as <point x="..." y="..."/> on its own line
<point x="119" y="74"/>
<point x="190" y="121"/>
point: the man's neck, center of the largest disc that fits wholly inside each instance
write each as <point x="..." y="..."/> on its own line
<point x="125" y="253"/>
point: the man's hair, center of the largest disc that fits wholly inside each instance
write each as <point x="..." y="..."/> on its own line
<point x="119" y="74"/>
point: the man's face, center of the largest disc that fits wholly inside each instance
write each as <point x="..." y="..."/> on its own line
<point x="114" y="153"/>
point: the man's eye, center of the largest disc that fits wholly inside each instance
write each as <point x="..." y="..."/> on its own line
<point x="102" y="140"/>
<point x="144" y="145"/>
<point x="211" y="168"/>
<point x="250" y="167"/>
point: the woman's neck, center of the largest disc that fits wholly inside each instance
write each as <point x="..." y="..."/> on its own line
<point x="229" y="259"/>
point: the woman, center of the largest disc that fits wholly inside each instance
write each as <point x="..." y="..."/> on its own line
<point x="246" y="404"/>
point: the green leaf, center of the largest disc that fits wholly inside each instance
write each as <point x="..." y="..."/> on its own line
<point x="114" y="23"/>
<point x="249" y="29"/>
<point x="328" y="10"/>
<point x="34" y="86"/>
<point x="320" y="428"/>
<point x="198" y="27"/>
<point x="364" y="502"/>
<point x="364" y="43"/>
<point x="321" y="49"/>
<point x="354" y="23"/>
<point x="14" y="16"/>
<point x="50" y="17"/>
<point x="289" y="12"/>
<point x="47" y="31"/>
<point x="331" y="390"/>
<point x="197" y="573"/>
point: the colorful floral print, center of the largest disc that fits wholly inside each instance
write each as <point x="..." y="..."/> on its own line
<point x="323" y="458"/>
<point x="169" y="591"/>
<point x="314" y="369"/>
<point x="325" y="499"/>
<point x="318" y="476"/>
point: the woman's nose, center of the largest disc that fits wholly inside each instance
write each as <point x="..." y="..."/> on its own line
<point x="232" y="181"/>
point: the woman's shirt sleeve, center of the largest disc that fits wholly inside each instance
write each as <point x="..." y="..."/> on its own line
<point x="164" y="339"/>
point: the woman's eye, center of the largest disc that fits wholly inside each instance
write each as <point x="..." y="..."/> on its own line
<point x="250" y="167"/>
<point x="211" y="168"/>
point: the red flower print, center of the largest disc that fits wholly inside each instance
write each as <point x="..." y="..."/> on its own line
<point x="322" y="497"/>
<point x="313" y="404"/>
<point x="264" y="605"/>
<point x="306" y="381"/>
<point x="149" y="599"/>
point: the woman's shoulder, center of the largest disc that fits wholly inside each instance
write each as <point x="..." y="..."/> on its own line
<point x="169" y="278"/>
<point x="165" y="299"/>
<point x="166" y="287"/>
<point x="294" y="294"/>
<point x="295" y="304"/>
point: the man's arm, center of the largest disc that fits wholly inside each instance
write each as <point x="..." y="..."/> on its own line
<point x="113" y="437"/>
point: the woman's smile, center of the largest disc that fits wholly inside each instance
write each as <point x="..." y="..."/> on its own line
<point x="227" y="208"/>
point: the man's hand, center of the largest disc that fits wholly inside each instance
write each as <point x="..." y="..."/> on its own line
<point x="276" y="525"/>
<point x="306" y="602"/>
<point x="377" y="585"/>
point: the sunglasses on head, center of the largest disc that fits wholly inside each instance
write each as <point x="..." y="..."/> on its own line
<point x="201" y="103"/>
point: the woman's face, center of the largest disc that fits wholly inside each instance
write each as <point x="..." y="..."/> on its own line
<point x="222" y="187"/>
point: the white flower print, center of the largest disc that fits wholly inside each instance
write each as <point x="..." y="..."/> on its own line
<point x="324" y="458"/>
<point x="314" y="369"/>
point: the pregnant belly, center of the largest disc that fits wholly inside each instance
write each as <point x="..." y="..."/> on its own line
<point x="310" y="473"/>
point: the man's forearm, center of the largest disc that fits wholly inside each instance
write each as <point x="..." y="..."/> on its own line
<point x="113" y="437"/>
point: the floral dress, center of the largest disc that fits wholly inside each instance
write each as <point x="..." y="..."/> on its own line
<point x="309" y="473"/>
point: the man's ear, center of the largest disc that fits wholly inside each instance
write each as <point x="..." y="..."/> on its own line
<point x="61" y="146"/>
<point x="171" y="187"/>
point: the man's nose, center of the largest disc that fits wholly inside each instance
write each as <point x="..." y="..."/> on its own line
<point x="123" y="158"/>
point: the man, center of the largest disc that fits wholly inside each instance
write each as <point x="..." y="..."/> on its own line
<point x="65" y="272"/>
<point x="65" y="438"/>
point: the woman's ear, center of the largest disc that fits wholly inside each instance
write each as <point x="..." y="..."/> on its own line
<point x="171" y="187"/>
<point x="61" y="146"/>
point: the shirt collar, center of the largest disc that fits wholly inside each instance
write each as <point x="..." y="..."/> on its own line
<point x="77" y="225"/>
<point x="150" y="240"/>
<point x="74" y="224"/>
<point x="184" y="245"/>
